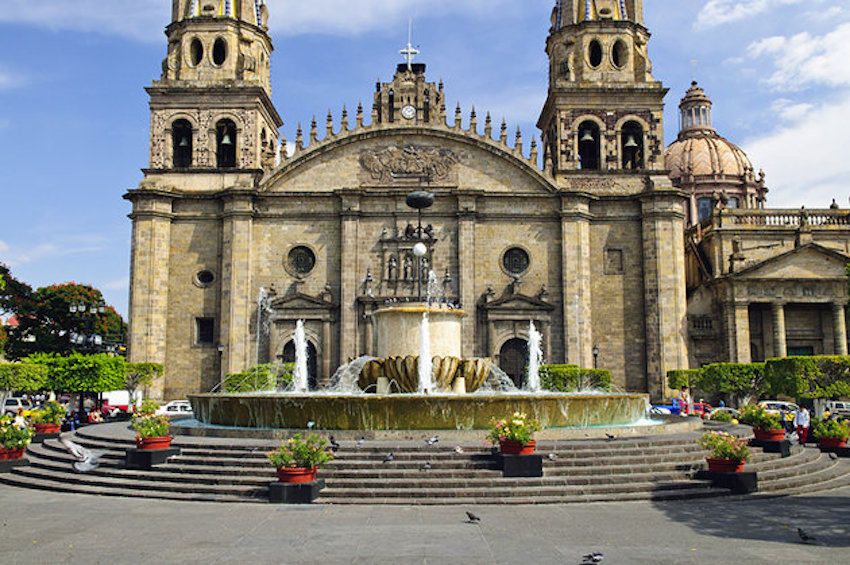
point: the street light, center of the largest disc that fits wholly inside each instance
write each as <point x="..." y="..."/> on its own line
<point x="595" y="356"/>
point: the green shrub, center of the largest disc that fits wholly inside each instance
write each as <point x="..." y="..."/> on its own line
<point x="268" y="377"/>
<point x="12" y="435"/>
<point x="311" y="451"/>
<point x="821" y="376"/>
<point x="26" y="377"/>
<point x="678" y="378"/>
<point x="151" y="426"/>
<point x="51" y="413"/>
<point x="743" y="380"/>
<point x="831" y="428"/>
<point x="722" y="416"/>
<point x="570" y="378"/>
<point x="77" y="372"/>
<point x="757" y="417"/>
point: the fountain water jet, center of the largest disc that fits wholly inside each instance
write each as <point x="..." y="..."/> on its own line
<point x="535" y="356"/>
<point x="299" y="375"/>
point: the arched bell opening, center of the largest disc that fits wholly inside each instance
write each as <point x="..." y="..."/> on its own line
<point x="589" y="146"/>
<point x="225" y="144"/>
<point x="312" y="363"/>
<point x="181" y="140"/>
<point x="631" y="141"/>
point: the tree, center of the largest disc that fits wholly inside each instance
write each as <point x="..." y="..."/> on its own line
<point x="140" y="374"/>
<point x="821" y="376"/>
<point x="744" y="381"/>
<point x="45" y="321"/>
<point x="27" y="377"/>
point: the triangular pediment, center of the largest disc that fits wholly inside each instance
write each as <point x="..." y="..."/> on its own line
<point x="518" y="302"/>
<point x="298" y="301"/>
<point x="810" y="261"/>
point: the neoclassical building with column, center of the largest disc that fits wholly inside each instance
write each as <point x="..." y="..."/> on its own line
<point x="582" y="229"/>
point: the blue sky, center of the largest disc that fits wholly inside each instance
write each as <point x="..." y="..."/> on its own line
<point x="74" y="116"/>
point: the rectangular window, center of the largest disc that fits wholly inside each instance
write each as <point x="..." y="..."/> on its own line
<point x="204" y="331"/>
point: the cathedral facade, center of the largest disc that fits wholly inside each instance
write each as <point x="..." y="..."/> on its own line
<point x="618" y="261"/>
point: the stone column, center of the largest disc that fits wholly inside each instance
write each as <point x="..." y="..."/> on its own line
<point x="149" y="274"/>
<point x="326" y="353"/>
<point x="237" y="293"/>
<point x="348" y="278"/>
<point x="780" y="348"/>
<point x="839" y="326"/>
<point x="575" y="279"/>
<point x="466" y="272"/>
<point x="662" y="211"/>
<point x="739" y="333"/>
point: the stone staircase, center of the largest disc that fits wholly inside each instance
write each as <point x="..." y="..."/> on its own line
<point x="235" y="470"/>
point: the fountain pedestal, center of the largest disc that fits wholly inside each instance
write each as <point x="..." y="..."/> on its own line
<point x="397" y="330"/>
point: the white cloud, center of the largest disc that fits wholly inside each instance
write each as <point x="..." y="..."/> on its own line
<point x="50" y="250"/>
<point x="805" y="60"/>
<point x="719" y="12"/>
<point x="805" y="159"/>
<point x="9" y="80"/>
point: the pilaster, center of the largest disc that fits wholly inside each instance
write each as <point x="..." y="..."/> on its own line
<point x="575" y="274"/>
<point x="778" y="313"/>
<point x="236" y="289"/>
<point x="839" y="325"/>
<point x="466" y="274"/>
<point x="349" y="235"/>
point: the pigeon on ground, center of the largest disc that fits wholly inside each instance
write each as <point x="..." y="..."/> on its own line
<point x="334" y="444"/>
<point x="804" y="537"/>
<point x="594" y="557"/>
<point x="610" y="436"/>
<point x="458" y="449"/>
<point x="833" y="456"/>
<point x="86" y="460"/>
<point x="389" y="458"/>
<point x="361" y="441"/>
<point x="431" y="441"/>
<point x="553" y="456"/>
<point x="426" y="466"/>
<point x="472" y="518"/>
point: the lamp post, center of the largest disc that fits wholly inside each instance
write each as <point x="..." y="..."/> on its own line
<point x="595" y="356"/>
<point x="88" y="341"/>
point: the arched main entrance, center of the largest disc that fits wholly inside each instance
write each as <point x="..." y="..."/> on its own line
<point x="513" y="357"/>
<point x="289" y="357"/>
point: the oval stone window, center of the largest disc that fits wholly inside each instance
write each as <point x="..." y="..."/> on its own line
<point x="515" y="261"/>
<point x="620" y="54"/>
<point x="204" y="278"/>
<point x="196" y="52"/>
<point x="595" y="53"/>
<point x="219" y="51"/>
<point x="302" y="259"/>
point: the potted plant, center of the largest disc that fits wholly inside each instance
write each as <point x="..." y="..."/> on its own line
<point x="515" y="435"/>
<point x="765" y="426"/>
<point x="14" y="438"/>
<point x="48" y="418"/>
<point x="152" y="431"/>
<point x="727" y="452"/>
<point x="298" y="458"/>
<point x="831" y="433"/>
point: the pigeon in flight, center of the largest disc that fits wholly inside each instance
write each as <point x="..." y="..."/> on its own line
<point x="431" y="441"/>
<point x="804" y="537"/>
<point x="86" y="460"/>
<point x="389" y="458"/>
<point x="472" y="518"/>
<point x="594" y="557"/>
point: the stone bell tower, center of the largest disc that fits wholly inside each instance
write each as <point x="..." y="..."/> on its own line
<point x="604" y="110"/>
<point x="211" y="109"/>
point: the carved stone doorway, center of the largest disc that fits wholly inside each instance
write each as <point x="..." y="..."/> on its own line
<point x="289" y="357"/>
<point x="513" y="357"/>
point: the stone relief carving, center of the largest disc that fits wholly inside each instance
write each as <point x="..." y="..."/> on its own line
<point x="410" y="161"/>
<point x="157" y="140"/>
<point x="249" y="141"/>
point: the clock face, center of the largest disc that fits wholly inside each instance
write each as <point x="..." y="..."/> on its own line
<point x="409" y="112"/>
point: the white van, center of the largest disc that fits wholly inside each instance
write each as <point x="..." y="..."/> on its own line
<point x="839" y="407"/>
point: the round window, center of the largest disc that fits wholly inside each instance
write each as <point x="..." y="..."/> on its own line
<point x="204" y="278"/>
<point x="515" y="261"/>
<point x="196" y="51"/>
<point x="595" y="53"/>
<point x="302" y="259"/>
<point x="219" y="51"/>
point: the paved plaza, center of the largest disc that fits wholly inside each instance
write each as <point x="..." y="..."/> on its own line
<point x="44" y="527"/>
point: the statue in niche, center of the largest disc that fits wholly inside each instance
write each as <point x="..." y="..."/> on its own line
<point x="392" y="268"/>
<point x="429" y="231"/>
<point x="408" y="264"/>
<point x="409" y="231"/>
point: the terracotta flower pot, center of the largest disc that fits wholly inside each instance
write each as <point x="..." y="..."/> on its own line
<point x="725" y="465"/>
<point x="11" y="452"/>
<point x="832" y="442"/>
<point x="161" y="442"/>
<point x="769" y="435"/>
<point x="296" y="474"/>
<point x="46" y="428"/>
<point x="510" y="447"/>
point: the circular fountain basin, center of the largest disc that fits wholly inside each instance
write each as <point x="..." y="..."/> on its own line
<point x="397" y="330"/>
<point x="415" y="411"/>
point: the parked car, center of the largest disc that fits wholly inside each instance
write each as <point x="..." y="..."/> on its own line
<point x="838" y="407"/>
<point x="12" y="405"/>
<point x="701" y="409"/>
<point x="665" y="408"/>
<point x="176" y="408"/>
<point x="777" y="406"/>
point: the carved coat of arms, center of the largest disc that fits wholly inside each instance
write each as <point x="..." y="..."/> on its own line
<point x="410" y="161"/>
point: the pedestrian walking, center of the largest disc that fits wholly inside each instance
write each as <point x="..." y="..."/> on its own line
<point x="802" y="421"/>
